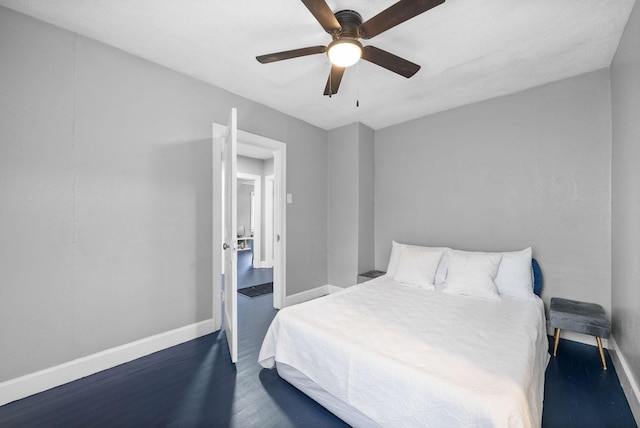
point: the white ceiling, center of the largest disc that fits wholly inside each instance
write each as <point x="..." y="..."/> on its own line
<point x="469" y="50"/>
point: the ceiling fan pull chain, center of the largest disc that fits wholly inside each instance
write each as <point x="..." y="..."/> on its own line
<point x="330" y="87"/>
<point x="357" y="85"/>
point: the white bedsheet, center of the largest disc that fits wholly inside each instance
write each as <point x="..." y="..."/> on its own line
<point x="406" y="356"/>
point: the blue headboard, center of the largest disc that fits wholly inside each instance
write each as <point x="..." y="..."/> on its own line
<point x="537" y="277"/>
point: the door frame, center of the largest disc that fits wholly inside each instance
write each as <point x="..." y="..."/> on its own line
<point x="279" y="150"/>
<point x="268" y="220"/>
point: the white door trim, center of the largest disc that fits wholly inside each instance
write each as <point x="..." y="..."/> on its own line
<point x="279" y="150"/>
<point x="280" y="229"/>
<point x="217" y="228"/>
<point x="268" y="220"/>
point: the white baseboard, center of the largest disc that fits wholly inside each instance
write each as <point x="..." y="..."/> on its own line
<point x="629" y="385"/>
<point x="303" y="296"/>
<point x="33" y="383"/>
<point x="333" y="288"/>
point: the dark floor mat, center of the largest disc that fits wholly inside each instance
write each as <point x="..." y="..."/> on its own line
<point x="257" y="290"/>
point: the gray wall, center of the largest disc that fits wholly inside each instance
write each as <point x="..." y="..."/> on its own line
<point x="105" y="182"/>
<point x="37" y="289"/>
<point x="625" y="281"/>
<point x="250" y="166"/>
<point x="529" y="169"/>
<point x="268" y="167"/>
<point x="351" y="203"/>
<point x="342" y="242"/>
<point x="366" y="199"/>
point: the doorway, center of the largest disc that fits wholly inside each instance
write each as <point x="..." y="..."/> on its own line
<point x="273" y="154"/>
<point x="255" y="272"/>
<point x="277" y="150"/>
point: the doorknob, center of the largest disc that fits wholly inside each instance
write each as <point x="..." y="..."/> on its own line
<point x="225" y="246"/>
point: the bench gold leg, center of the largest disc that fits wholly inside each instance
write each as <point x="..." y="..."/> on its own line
<point x="556" y="341"/>
<point x="604" y="361"/>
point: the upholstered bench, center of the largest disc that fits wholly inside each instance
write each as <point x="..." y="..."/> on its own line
<point x="579" y="317"/>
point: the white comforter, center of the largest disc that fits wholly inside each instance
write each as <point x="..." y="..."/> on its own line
<point x="406" y="356"/>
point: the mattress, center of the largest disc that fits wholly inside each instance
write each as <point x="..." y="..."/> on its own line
<point x="400" y="355"/>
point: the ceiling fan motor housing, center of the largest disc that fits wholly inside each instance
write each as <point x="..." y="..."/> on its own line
<point x="350" y="22"/>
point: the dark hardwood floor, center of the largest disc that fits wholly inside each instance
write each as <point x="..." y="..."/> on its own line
<point x="579" y="393"/>
<point x="195" y="384"/>
<point x="248" y="276"/>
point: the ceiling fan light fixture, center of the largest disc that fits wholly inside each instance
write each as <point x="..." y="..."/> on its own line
<point x="344" y="52"/>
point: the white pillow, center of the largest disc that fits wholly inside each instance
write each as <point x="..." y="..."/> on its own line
<point x="441" y="273"/>
<point x="393" y="259"/>
<point x="417" y="265"/>
<point x="472" y="274"/>
<point x="514" y="275"/>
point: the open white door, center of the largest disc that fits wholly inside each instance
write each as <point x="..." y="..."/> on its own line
<point x="229" y="167"/>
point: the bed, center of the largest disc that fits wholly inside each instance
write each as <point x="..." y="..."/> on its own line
<point x="422" y="346"/>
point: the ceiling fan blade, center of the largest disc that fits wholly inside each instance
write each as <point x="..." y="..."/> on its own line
<point x="333" y="82"/>
<point x="394" y="15"/>
<point x="390" y="61"/>
<point x="295" y="53"/>
<point x="323" y="14"/>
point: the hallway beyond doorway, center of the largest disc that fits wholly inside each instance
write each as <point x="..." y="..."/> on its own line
<point x="248" y="276"/>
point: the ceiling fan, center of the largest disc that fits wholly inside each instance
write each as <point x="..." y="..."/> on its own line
<point x="345" y="28"/>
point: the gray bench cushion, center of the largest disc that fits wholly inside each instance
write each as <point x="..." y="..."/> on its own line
<point x="587" y="318"/>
